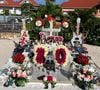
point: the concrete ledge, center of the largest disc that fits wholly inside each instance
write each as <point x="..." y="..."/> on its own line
<point x="8" y="35"/>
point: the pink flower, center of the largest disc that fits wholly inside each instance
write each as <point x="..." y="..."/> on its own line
<point x="19" y="75"/>
<point x="84" y="71"/>
<point x="14" y="74"/>
<point x="23" y="74"/>
<point x="82" y="75"/>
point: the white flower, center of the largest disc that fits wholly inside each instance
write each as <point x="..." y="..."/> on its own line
<point x="38" y="23"/>
<point x="82" y="75"/>
<point x="29" y="65"/>
<point x="25" y="53"/>
<point x="65" y="24"/>
<point x="19" y="71"/>
<point x="91" y="69"/>
<point x="54" y="79"/>
<point x="45" y="78"/>
<point x="87" y="79"/>
<point x="79" y="77"/>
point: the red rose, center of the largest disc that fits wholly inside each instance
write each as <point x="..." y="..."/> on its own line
<point x="60" y="56"/>
<point x="49" y="78"/>
<point x="18" y="58"/>
<point x="40" y="55"/>
<point x="82" y="59"/>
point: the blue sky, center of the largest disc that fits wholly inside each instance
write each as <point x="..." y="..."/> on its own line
<point x="57" y="1"/>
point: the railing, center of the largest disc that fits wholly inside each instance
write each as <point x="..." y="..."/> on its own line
<point x="11" y="28"/>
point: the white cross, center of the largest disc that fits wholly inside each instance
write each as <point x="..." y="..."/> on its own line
<point x="51" y="29"/>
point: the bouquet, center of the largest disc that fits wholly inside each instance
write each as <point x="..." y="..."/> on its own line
<point x="19" y="75"/>
<point x="85" y="77"/>
<point x="82" y="59"/>
<point x="18" y="58"/>
<point x="49" y="79"/>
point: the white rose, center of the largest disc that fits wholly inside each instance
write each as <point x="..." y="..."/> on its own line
<point x="54" y="79"/>
<point x="91" y="69"/>
<point x="45" y="78"/>
<point x="86" y="79"/>
<point x="29" y="65"/>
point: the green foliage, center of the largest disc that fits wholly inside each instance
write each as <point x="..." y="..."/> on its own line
<point x="26" y="9"/>
<point x="90" y="25"/>
<point x="6" y="11"/>
<point x="94" y="35"/>
<point x="49" y="9"/>
<point x="66" y="33"/>
<point x="20" y="82"/>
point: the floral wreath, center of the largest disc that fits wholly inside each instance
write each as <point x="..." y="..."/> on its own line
<point x="61" y="55"/>
<point x="40" y="54"/>
<point x="65" y="24"/>
<point x="39" y="22"/>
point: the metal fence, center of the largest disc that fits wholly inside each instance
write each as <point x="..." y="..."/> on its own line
<point x="10" y="27"/>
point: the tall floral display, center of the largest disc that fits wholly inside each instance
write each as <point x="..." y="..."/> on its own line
<point x="40" y="54"/>
<point x="61" y="55"/>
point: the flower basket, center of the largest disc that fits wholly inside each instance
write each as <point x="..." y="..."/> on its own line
<point x="49" y="79"/>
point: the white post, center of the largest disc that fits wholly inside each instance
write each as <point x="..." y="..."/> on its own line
<point x="23" y="24"/>
<point x="51" y="27"/>
<point x="78" y="24"/>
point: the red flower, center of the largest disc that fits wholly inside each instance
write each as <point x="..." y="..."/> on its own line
<point x="60" y="56"/>
<point x="49" y="78"/>
<point x="18" y="58"/>
<point x="82" y="59"/>
<point x="40" y="55"/>
<point x="13" y="74"/>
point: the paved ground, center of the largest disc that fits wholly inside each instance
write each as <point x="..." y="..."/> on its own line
<point x="6" y="48"/>
<point x="40" y="86"/>
<point x="33" y="86"/>
<point x="94" y="52"/>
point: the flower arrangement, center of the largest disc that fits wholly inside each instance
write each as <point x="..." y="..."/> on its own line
<point x="24" y="38"/>
<point x="55" y="38"/>
<point x="18" y="58"/>
<point x="40" y="54"/>
<point x="65" y="23"/>
<point x="49" y="79"/>
<point x="39" y="22"/>
<point x="82" y="59"/>
<point x="19" y="75"/>
<point x="85" y="77"/>
<point x="61" y="55"/>
<point x="20" y="71"/>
